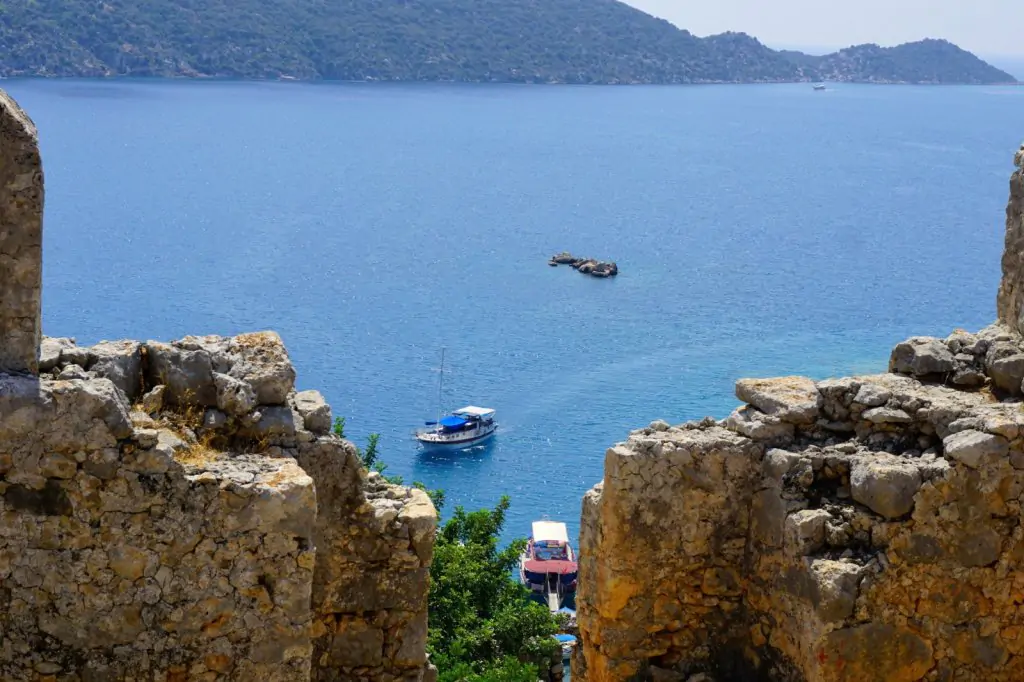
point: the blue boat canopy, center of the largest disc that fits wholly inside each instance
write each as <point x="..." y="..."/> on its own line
<point x="452" y="422"/>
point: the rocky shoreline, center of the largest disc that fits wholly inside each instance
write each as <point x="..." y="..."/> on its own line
<point x="586" y="266"/>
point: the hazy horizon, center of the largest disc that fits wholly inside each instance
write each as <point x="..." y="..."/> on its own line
<point x="988" y="28"/>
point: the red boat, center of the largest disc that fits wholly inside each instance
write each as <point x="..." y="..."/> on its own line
<point x="548" y="566"/>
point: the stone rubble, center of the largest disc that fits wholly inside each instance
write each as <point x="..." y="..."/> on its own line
<point x="862" y="529"/>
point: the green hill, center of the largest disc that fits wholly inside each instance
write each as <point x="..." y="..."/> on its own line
<point x="926" y="61"/>
<point x="547" y="41"/>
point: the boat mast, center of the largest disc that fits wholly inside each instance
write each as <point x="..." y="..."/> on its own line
<point x="440" y="381"/>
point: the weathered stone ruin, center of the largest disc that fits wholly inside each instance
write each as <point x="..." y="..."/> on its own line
<point x="21" y="238"/>
<point x="177" y="511"/>
<point x="865" y="529"/>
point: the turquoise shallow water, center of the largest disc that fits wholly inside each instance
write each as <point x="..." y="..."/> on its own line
<point x="760" y="230"/>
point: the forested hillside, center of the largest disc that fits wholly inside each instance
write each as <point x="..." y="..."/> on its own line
<point x="547" y="41"/>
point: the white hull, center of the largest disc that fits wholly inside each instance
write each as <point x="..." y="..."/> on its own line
<point x="459" y="439"/>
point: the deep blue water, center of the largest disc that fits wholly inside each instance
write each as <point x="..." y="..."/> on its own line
<point x="760" y="230"/>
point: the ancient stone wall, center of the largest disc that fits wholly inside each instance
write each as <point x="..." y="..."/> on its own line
<point x="208" y="527"/>
<point x="177" y="511"/>
<point x="850" y="530"/>
<point x="21" y="234"/>
<point x="1010" y="302"/>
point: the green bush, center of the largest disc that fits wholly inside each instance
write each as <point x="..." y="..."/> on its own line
<point x="483" y="625"/>
<point x="507" y="670"/>
<point x="482" y="622"/>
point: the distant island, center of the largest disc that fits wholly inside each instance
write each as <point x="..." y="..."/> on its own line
<point x="506" y="41"/>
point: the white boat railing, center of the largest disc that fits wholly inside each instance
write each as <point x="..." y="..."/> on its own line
<point x="435" y="436"/>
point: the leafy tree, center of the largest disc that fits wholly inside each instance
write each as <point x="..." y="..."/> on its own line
<point x="483" y="626"/>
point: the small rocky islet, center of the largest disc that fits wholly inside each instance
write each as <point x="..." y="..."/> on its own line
<point x="586" y="266"/>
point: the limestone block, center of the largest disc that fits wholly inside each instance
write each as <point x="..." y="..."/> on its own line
<point x="795" y="400"/>
<point x="186" y="372"/>
<point x="754" y="424"/>
<point x="974" y="448"/>
<point x="886" y="415"/>
<point x="315" y="411"/>
<point x="1007" y="372"/>
<point x="260" y="359"/>
<point x="805" y="530"/>
<point x="119" y="361"/>
<point x="50" y="350"/>
<point x="153" y="400"/>
<point x="885" y="485"/>
<point x="921" y="356"/>
<point x="234" y="397"/>
<point x="872" y="395"/>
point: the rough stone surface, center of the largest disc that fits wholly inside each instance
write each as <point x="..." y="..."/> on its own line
<point x="921" y="356"/>
<point x="119" y="361"/>
<point x="1010" y="301"/>
<point x="871" y="534"/>
<point x="886" y="485"/>
<point x="790" y="399"/>
<point x="50" y="350"/>
<point x="153" y="400"/>
<point x="316" y="413"/>
<point x="1007" y="372"/>
<point x="708" y="550"/>
<point x="183" y="549"/>
<point x="234" y="397"/>
<point x="974" y="448"/>
<point x="21" y="240"/>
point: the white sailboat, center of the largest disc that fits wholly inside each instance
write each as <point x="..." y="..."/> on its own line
<point x="460" y="428"/>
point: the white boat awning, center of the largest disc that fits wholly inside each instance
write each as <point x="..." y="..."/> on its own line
<point x="475" y="411"/>
<point x="550" y="531"/>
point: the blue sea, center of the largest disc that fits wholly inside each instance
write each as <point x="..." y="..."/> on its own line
<point x="759" y="230"/>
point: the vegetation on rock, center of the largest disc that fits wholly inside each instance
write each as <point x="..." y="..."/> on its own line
<point x="546" y="41"/>
<point x="370" y="457"/>
<point x="483" y="625"/>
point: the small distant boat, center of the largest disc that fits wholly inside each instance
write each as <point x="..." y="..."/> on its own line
<point x="819" y="86"/>
<point x="548" y="566"/>
<point x="465" y="426"/>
